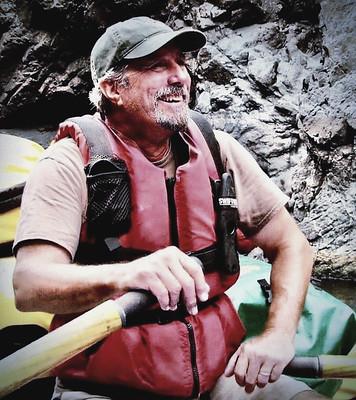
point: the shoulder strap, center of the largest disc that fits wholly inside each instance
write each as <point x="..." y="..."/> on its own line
<point x="98" y="143"/>
<point x="209" y="136"/>
<point x="95" y="135"/>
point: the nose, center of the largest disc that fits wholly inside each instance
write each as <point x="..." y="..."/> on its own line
<point x="178" y="74"/>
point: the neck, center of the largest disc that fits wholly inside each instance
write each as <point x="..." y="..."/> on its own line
<point x="159" y="156"/>
<point x="154" y="142"/>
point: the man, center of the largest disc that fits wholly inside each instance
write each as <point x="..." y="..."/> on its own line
<point x="142" y="88"/>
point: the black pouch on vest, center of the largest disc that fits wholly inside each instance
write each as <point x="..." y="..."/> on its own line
<point x="108" y="197"/>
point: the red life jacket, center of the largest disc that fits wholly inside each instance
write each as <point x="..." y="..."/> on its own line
<point x="182" y="357"/>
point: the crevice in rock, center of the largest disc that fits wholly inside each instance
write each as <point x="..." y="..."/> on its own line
<point x="300" y="10"/>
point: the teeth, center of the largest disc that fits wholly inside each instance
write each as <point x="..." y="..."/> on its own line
<point x="170" y="99"/>
<point x="171" y="95"/>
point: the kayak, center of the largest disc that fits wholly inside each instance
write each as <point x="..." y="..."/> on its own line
<point x="17" y="158"/>
<point x="327" y="326"/>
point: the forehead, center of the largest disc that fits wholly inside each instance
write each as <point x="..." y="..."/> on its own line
<point x="169" y="50"/>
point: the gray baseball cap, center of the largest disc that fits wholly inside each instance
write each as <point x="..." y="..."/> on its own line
<point x="135" y="38"/>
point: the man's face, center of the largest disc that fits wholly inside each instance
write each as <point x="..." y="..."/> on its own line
<point x="157" y="90"/>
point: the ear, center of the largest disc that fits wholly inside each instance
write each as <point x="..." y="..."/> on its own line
<point x="109" y="90"/>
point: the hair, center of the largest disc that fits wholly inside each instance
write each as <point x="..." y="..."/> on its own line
<point x="97" y="97"/>
<point x="117" y="76"/>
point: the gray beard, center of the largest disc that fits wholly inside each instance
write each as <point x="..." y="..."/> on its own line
<point x="173" y="122"/>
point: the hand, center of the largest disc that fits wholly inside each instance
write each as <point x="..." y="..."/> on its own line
<point x="168" y="273"/>
<point x="261" y="359"/>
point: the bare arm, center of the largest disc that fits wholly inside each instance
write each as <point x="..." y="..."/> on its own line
<point x="292" y="259"/>
<point x="260" y="359"/>
<point x="44" y="279"/>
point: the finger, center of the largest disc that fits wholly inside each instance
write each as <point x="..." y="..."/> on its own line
<point x="196" y="272"/>
<point x="251" y="374"/>
<point x="157" y="287"/>
<point x="276" y="372"/>
<point x="187" y="284"/>
<point x="229" y="370"/>
<point x="241" y="369"/>
<point x="189" y="293"/>
<point x="263" y="376"/>
<point x="173" y="287"/>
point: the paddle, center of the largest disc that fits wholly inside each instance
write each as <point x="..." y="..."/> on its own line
<point x="323" y="366"/>
<point x="40" y="357"/>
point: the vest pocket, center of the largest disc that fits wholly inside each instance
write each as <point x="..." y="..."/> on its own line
<point x="108" y="212"/>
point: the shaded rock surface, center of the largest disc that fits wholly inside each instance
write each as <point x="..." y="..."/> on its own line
<point x="279" y="75"/>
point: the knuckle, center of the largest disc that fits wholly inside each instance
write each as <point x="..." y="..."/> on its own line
<point x="188" y="284"/>
<point x="245" y="352"/>
<point x="195" y="271"/>
<point x="162" y="297"/>
<point x="191" y="304"/>
<point x="262" y="379"/>
<point x="162" y="255"/>
<point x="172" y="250"/>
<point x="175" y="291"/>
<point x="199" y="279"/>
<point x="145" y="275"/>
<point x="168" y="253"/>
<point x="260" y="358"/>
<point x="194" y="266"/>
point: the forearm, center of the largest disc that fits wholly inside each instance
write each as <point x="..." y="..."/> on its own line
<point x="45" y="280"/>
<point x="62" y="288"/>
<point x="291" y="270"/>
<point x="259" y="359"/>
<point x="291" y="256"/>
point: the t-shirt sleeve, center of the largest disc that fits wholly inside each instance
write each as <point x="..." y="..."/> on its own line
<point x="258" y="197"/>
<point x="53" y="205"/>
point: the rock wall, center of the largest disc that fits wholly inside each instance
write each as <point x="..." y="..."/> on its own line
<point x="279" y="75"/>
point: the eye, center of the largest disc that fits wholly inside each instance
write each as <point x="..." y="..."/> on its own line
<point x="149" y="66"/>
<point x="184" y="64"/>
<point x="159" y="65"/>
<point x="189" y="62"/>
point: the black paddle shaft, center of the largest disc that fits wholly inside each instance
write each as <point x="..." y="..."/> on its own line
<point x="135" y="301"/>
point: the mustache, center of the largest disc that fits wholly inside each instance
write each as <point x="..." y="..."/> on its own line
<point x="172" y="91"/>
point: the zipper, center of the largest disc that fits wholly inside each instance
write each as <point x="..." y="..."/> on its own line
<point x="193" y="356"/>
<point x="170" y="182"/>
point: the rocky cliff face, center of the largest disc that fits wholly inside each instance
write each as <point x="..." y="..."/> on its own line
<point x="279" y="75"/>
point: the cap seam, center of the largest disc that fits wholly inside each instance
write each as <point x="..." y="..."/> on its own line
<point x="142" y="41"/>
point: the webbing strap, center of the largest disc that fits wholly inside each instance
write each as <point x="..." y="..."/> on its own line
<point x="95" y="134"/>
<point x="209" y="136"/>
<point x="98" y="143"/>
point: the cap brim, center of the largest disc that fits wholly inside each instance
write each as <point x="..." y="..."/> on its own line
<point x="186" y="40"/>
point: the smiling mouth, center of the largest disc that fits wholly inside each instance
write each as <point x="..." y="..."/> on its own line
<point x="172" y="99"/>
<point x="172" y="95"/>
